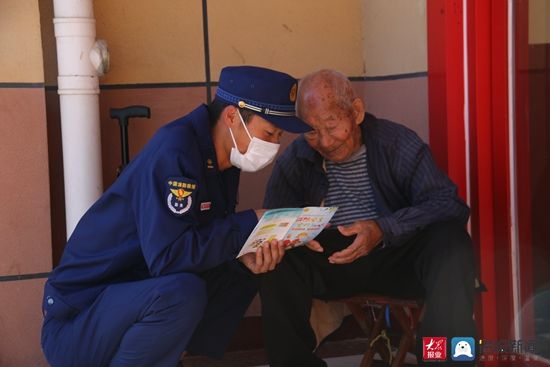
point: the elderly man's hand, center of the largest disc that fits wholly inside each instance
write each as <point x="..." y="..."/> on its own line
<point x="266" y="257"/>
<point x="315" y="246"/>
<point x="369" y="235"/>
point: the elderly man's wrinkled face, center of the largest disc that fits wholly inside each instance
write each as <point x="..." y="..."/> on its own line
<point x="336" y="134"/>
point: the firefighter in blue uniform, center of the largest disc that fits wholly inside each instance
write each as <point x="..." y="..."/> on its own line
<point x="150" y="271"/>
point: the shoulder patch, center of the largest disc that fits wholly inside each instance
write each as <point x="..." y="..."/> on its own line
<point x="179" y="194"/>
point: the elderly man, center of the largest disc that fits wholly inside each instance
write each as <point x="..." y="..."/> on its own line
<point x="406" y="215"/>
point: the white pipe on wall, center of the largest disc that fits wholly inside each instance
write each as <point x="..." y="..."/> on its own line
<point x="78" y="89"/>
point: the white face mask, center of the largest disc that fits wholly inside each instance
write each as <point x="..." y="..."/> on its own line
<point x="259" y="154"/>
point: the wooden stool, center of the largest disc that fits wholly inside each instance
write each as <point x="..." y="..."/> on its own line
<point x="406" y="312"/>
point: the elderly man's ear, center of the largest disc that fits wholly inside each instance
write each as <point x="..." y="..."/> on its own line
<point x="358" y="110"/>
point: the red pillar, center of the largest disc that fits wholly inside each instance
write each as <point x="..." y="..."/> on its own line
<point x="488" y="115"/>
<point x="523" y="156"/>
<point x="446" y="88"/>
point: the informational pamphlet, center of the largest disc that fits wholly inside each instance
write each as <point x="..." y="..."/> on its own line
<point x="295" y="226"/>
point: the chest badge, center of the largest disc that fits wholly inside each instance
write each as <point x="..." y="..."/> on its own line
<point x="180" y="199"/>
<point x="209" y="163"/>
<point x="206" y="205"/>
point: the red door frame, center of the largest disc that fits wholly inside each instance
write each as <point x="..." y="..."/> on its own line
<point x="446" y="88"/>
<point x="523" y="154"/>
<point x="488" y="116"/>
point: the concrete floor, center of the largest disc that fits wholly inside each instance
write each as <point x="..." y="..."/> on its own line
<point x="346" y="353"/>
<point x="348" y="361"/>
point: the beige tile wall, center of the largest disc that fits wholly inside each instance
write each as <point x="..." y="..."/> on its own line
<point x="152" y="41"/>
<point x="49" y="51"/>
<point x="395" y="39"/>
<point x="25" y="224"/>
<point x="163" y="41"/>
<point x="294" y="36"/>
<point x="20" y="324"/>
<point x="539" y="21"/>
<point x="25" y="230"/>
<point x="20" y="42"/>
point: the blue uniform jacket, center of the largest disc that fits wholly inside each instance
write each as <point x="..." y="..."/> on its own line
<point x="170" y="211"/>
<point x="410" y="191"/>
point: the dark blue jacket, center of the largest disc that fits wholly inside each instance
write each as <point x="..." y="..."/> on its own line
<point x="140" y="229"/>
<point x="410" y="191"/>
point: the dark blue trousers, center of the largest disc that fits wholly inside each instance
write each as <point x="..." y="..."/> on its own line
<point x="437" y="264"/>
<point x="151" y="322"/>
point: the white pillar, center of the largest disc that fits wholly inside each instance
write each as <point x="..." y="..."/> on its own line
<point x="78" y="89"/>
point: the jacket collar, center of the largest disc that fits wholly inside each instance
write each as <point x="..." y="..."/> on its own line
<point x="200" y="122"/>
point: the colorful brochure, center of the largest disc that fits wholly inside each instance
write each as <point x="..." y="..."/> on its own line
<point x="295" y="226"/>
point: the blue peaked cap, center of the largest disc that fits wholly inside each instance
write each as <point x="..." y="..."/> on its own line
<point x="269" y="93"/>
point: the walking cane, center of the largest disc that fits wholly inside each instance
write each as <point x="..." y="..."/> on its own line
<point x="122" y="115"/>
